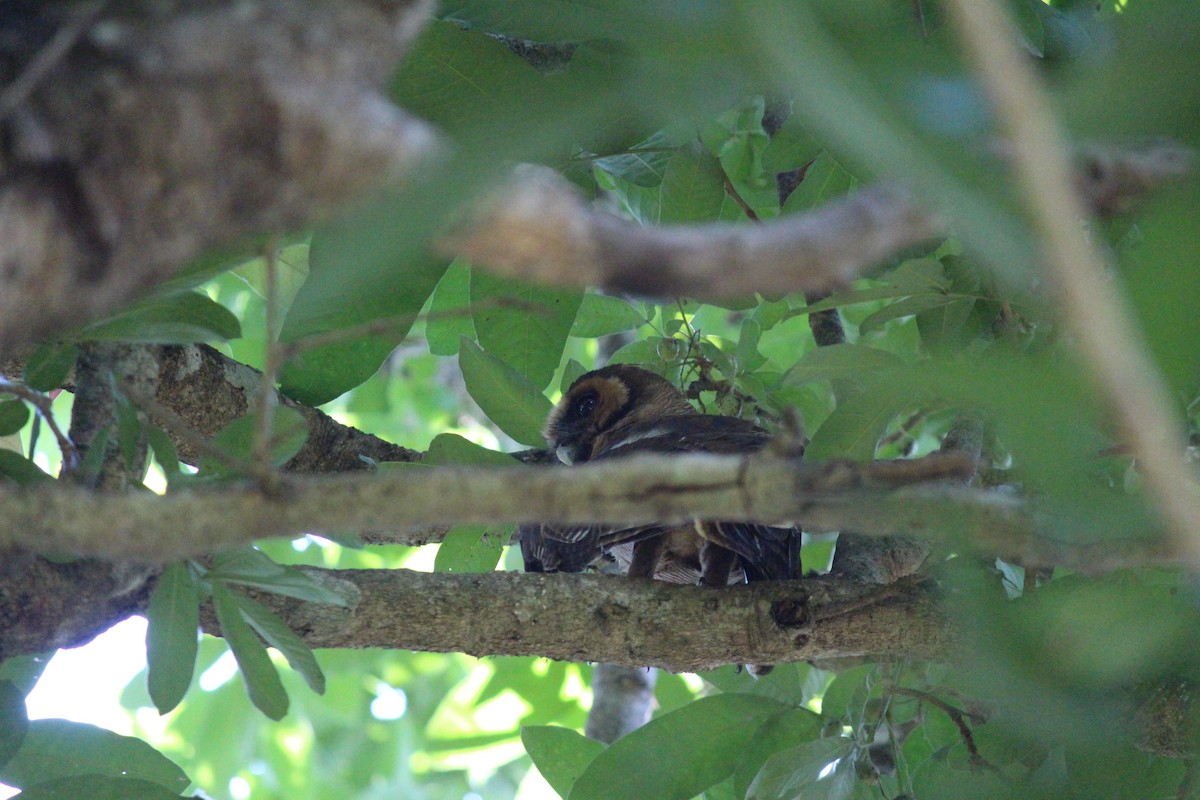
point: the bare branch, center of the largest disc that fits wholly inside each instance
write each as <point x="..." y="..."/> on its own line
<point x="539" y="229"/>
<point x="1107" y="335"/>
<point x="542" y="231"/>
<point x="865" y="498"/>
<point x="634" y="623"/>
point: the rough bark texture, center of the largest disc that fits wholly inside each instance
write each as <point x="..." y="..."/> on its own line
<point x="538" y="228"/>
<point x="822" y="496"/>
<point x="162" y="129"/>
<point x="206" y="391"/>
<point x="634" y="623"/>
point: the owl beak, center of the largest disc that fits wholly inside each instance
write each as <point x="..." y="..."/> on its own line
<point x="566" y="454"/>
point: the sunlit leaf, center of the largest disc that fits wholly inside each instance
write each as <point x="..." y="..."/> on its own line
<point x="523" y="325"/>
<point x="602" y="314"/>
<point x="560" y="754"/>
<point x="509" y="399"/>
<point x="450" y="311"/>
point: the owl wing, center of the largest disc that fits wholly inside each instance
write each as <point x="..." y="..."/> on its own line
<point x="765" y="551"/>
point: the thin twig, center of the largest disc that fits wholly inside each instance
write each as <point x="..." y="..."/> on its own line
<point x="42" y="404"/>
<point x="266" y="400"/>
<point x="957" y="716"/>
<point x="1107" y="336"/>
<point x="732" y="191"/>
<point x="49" y="56"/>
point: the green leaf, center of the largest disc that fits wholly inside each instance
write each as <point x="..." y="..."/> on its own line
<point x="938" y="779"/>
<point x="777" y="734"/>
<point x="644" y="164"/>
<point x="259" y="674"/>
<point x="702" y="742"/>
<point x="13" y="416"/>
<point x="509" y="399"/>
<point x="19" y="469"/>
<point x="14" y="722"/>
<point x="846" y="693"/>
<point x="1029" y="25"/>
<point x="49" y="366"/>
<point x="450" y="448"/>
<point x="470" y="548"/>
<point x="176" y="318"/>
<point x="824" y="180"/>
<point x="797" y="772"/>
<point x="98" y="787"/>
<point x="909" y="306"/>
<point x="277" y="634"/>
<point x="560" y="754"/>
<point x="529" y="337"/>
<point x="458" y="78"/>
<point x="841" y="363"/>
<point x="572" y="372"/>
<point x="855" y="426"/>
<point x="602" y="315"/>
<point x="57" y="748"/>
<point x="1122" y="771"/>
<point x="645" y="353"/>
<point x="164" y="452"/>
<point x="791" y="147"/>
<point x="539" y="21"/>
<point x="171" y="640"/>
<point x="450" y="311"/>
<point x="341" y="293"/>
<point x="693" y="188"/>
<point x="24" y="671"/>
<point x="129" y="429"/>
<point x="746" y="355"/>
<point x="289" y="432"/>
<point x="250" y="567"/>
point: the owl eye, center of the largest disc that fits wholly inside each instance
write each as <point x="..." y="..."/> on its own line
<point x="585" y="405"/>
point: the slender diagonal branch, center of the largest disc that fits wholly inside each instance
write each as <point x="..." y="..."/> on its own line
<point x="1107" y="336"/>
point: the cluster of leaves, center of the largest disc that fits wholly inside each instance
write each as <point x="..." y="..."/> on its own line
<point x="714" y="102"/>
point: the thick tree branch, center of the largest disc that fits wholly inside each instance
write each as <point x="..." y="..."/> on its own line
<point x="160" y="130"/>
<point x="1107" y="335"/>
<point x="865" y="498"/>
<point x="200" y="391"/>
<point x="538" y="228"/>
<point x="208" y="390"/>
<point x="635" y="623"/>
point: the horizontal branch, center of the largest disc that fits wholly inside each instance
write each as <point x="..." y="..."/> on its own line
<point x="616" y="620"/>
<point x="541" y="230"/>
<point x="871" y="499"/>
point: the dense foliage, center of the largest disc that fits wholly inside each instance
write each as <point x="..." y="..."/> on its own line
<point x="687" y="113"/>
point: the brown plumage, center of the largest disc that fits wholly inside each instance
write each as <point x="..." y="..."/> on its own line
<point x="621" y="410"/>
